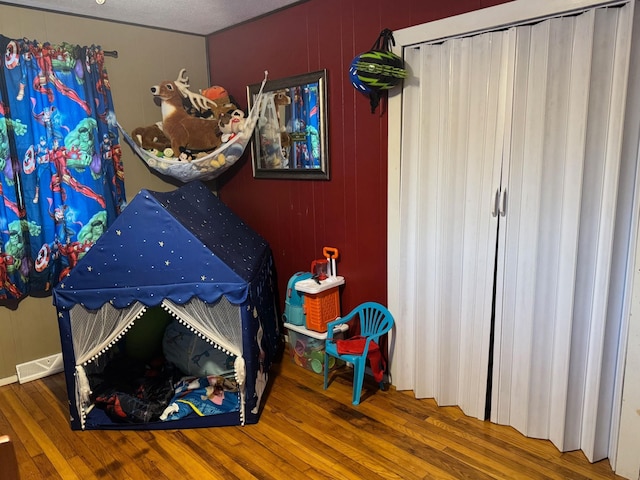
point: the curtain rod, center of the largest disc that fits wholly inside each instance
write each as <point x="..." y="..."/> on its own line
<point x="110" y="53"/>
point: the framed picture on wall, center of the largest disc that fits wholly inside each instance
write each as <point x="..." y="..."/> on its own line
<point x="290" y="138"/>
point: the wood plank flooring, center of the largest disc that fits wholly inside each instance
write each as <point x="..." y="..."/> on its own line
<point x="304" y="433"/>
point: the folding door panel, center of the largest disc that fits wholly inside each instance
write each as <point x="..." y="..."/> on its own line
<point x="533" y="131"/>
<point x="450" y="181"/>
<point x="556" y="251"/>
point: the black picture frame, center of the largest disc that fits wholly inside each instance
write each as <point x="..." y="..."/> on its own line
<point x="290" y="139"/>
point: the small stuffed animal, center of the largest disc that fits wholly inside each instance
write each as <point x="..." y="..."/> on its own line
<point x="217" y="97"/>
<point x="216" y="93"/>
<point x="216" y="388"/>
<point x="151" y="137"/>
<point x="230" y="124"/>
<point x="220" y="101"/>
<point x="270" y="149"/>
<point x="281" y="98"/>
<point x="185" y="156"/>
<point x="285" y="140"/>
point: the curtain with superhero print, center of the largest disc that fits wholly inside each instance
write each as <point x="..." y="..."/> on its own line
<point x="306" y="124"/>
<point x="61" y="176"/>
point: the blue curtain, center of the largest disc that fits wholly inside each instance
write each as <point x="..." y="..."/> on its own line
<point x="61" y="175"/>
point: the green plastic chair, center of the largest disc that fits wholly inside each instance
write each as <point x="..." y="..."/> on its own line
<point x="375" y="321"/>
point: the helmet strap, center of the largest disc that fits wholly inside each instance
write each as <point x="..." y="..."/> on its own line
<point x="384" y="41"/>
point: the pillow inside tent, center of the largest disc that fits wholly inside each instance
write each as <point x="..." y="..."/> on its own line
<point x="194" y="355"/>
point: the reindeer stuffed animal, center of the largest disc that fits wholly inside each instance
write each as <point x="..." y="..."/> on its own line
<point x="186" y="132"/>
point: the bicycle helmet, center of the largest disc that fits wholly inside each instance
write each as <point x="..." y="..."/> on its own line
<point x="377" y="70"/>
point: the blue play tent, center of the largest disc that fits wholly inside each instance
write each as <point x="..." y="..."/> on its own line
<point x="188" y="253"/>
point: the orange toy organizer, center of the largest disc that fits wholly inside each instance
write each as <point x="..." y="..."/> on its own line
<point x="321" y="308"/>
<point x="322" y="297"/>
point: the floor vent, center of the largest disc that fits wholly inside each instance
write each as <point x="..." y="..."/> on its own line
<point x="40" y="368"/>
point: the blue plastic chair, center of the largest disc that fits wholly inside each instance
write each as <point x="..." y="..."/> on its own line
<point x="375" y="321"/>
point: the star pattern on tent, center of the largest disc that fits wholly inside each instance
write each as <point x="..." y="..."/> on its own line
<point x="205" y="238"/>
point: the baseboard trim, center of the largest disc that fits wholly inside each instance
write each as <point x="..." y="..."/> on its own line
<point x="8" y="380"/>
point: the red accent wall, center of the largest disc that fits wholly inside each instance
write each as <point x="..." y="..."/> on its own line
<point x="349" y="212"/>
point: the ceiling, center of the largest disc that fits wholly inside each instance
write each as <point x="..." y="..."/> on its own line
<point x="200" y="17"/>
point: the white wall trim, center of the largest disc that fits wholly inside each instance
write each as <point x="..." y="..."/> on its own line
<point x="8" y="380"/>
<point x="492" y="18"/>
<point x="627" y="456"/>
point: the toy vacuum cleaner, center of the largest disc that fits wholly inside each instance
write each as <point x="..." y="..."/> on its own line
<point x="293" y="310"/>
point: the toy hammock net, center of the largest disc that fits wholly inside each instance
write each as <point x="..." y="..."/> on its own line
<point x="209" y="166"/>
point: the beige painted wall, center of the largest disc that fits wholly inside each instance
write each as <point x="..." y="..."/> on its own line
<point x="145" y="57"/>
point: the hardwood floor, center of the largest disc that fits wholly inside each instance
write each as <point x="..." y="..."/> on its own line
<point x="304" y="433"/>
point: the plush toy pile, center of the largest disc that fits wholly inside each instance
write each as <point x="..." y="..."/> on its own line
<point x="200" y="135"/>
<point x="193" y="124"/>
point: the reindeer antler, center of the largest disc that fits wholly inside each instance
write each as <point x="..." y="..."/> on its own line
<point x="182" y="78"/>
<point x="199" y="101"/>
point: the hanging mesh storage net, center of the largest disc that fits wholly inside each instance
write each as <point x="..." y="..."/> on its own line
<point x="209" y="165"/>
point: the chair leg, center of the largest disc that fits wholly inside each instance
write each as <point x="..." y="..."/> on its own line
<point x="358" y="376"/>
<point x="326" y="369"/>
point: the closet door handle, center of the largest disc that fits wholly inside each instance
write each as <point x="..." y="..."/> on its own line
<point x="495" y="207"/>
<point x="503" y="203"/>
